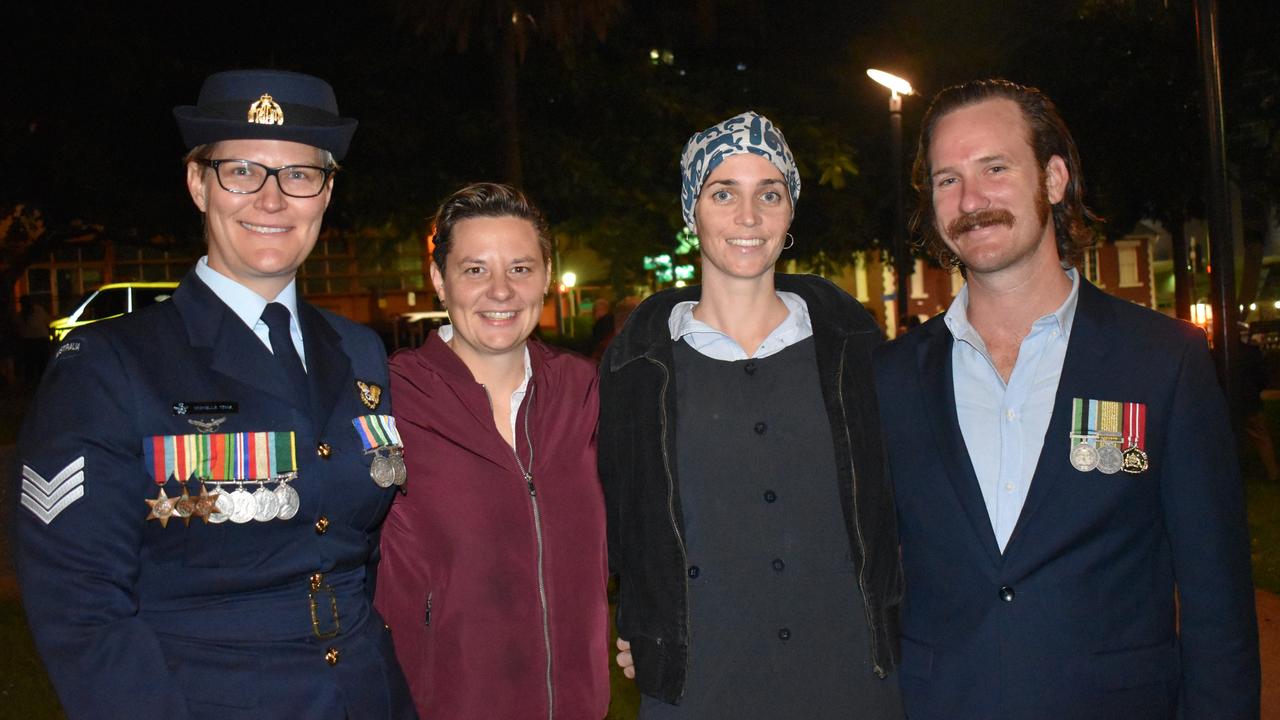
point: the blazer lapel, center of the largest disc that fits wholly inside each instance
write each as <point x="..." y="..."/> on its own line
<point x="232" y="348"/>
<point x="328" y="367"/>
<point x="1085" y="359"/>
<point x="934" y="357"/>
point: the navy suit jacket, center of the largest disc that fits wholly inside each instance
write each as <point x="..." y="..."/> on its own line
<point x="203" y="620"/>
<point x="1077" y="618"/>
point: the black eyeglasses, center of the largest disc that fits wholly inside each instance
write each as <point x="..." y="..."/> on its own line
<point x="245" y="177"/>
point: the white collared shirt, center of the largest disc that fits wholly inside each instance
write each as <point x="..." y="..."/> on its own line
<point x="517" y="397"/>
<point x="248" y="305"/>
<point x="718" y="346"/>
<point x="1004" y="424"/>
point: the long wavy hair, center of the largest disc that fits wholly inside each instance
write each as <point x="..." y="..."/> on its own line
<point x="1072" y="220"/>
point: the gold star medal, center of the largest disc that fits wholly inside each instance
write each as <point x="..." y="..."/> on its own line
<point x="161" y="508"/>
<point x="206" y="504"/>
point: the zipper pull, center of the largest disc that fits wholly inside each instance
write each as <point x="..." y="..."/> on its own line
<point x="528" y="480"/>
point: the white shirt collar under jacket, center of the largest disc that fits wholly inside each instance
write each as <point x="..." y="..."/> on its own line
<point x="718" y="346"/>
<point x="248" y="305"/>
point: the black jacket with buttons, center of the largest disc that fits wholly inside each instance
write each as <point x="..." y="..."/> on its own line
<point x="637" y="455"/>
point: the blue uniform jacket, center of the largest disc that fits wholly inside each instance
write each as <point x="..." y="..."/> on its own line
<point x="198" y="620"/>
<point x="1077" y="618"/>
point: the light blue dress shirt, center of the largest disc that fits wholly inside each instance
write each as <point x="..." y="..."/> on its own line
<point x="248" y="305"/>
<point x="1004" y="424"/>
<point x="718" y="346"/>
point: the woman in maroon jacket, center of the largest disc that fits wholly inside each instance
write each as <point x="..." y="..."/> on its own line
<point x="493" y="566"/>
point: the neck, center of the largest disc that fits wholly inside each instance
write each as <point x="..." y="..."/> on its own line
<point x="745" y="310"/>
<point x="1010" y="304"/>
<point x="502" y="373"/>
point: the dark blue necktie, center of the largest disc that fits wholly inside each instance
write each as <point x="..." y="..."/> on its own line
<point x="276" y="316"/>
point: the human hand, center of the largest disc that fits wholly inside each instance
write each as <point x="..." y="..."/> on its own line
<point x="625" y="660"/>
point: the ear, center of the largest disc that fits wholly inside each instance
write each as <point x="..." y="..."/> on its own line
<point x="1056" y="178"/>
<point x="328" y="191"/>
<point x="437" y="281"/>
<point x="197" y="185"/>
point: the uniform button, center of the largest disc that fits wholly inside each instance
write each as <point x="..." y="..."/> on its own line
<point x="750" y="368"/>
<point x="331" y="656"/>
<point x="770" y="496"/>
<point x="761" y="428"/>
<point x="316" y="581"/>
<point x="1006" y="593"/>
<point x="322" y="525"/>
<point x="324" y="450"/>
<point x="784" y="634"/>
<point x="778" y="564"/>
<point x="694" y="571"/>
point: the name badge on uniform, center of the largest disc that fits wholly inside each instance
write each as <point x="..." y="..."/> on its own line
<point x="380" y="437"/>
<point x="218" y="461"/>
<point x="1108" y="436"/>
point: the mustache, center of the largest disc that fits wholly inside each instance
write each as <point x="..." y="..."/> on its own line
<point x="982" y="218"/>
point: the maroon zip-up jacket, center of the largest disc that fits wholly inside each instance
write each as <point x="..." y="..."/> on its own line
<point x="494" y="585"/>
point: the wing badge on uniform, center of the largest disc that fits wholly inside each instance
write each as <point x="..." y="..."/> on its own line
<point x="47" y="498"/>
<point x="370" y="394"/>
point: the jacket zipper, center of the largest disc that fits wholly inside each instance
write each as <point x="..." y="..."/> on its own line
<point x="671" y="512"/>
<point x="857" y="525"/>
<point x="527" y="473"/>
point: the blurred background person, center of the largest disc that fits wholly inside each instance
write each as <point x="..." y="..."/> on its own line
<point x="751" y="521"/>
<point x="197" y="509"/>
<point x="493" y="564"/>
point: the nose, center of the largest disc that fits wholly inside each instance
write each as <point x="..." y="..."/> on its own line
<point x="748" y="214"/>
<point x="972" y="197"/>
<point x="500" y="287"/>
<point x="270" y="198"/>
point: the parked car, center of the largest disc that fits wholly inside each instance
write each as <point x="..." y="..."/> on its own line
<point x="110" y="301"/>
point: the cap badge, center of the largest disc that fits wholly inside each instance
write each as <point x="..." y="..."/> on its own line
<point x="266" y="111"/>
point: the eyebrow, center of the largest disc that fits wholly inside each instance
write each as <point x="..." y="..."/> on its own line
<point x="732" y="182"/>
<point x="481" y="261"/>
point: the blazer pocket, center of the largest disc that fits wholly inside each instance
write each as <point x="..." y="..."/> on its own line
<point x="1135" y="667"/>
<point x="917" y="659"/>
<point x="209" y="674"/>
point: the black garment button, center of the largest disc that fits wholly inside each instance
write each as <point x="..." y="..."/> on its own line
<point x="694" y="571"/>
<point x="761" y="428"/>
<point x="1006" y="593"/>
<point x="778" y="564"/>
<point x="750" y="367"/>
<point x="784" y="634"/>
<point x="770" y="496"/>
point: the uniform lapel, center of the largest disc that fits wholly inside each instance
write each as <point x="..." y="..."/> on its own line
<point x="232" y="348"/>
<point x="1086" y="358"/>
<point x="938" y="390"/>
<point x="328" y="367"/>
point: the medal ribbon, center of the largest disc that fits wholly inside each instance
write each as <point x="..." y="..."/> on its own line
<point x="1135" y="425"/>
<point x="220" y="456"/>
<point x="1109" y="419"/>
<point x="1084" y="418"/>
<point x="377" y="431"/>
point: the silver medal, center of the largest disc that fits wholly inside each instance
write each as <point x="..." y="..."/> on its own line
<point x="400" y="473"/>
<point x="224" y="505"/>
<point x="288" y="498"/>
<point x="266" y="504"/>
<point x="383" y="472"/>
<point x="1110" y="459"/>
<point x="246" y="507"/>
<point x="1083" y="457"/>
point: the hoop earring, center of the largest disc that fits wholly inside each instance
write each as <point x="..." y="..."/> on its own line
<point x="789" y="243"/>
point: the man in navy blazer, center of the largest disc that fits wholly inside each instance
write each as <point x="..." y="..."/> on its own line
<point x="1070" y="506"/>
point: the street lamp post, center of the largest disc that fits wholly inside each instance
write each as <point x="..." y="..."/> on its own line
<point x="569" y="280"/>
<point x="901" y="258"/>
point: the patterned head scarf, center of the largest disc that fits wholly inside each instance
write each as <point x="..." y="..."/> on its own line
<point x="743" y="133"/>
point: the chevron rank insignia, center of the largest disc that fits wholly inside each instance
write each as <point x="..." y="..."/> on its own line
<point x="47" y="498"/>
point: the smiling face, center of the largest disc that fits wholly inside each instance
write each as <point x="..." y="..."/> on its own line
<point x="259" y="240"/>
<point x="742" y="214"/>
<point x="493" y="285"/>
<point x="991" y="199"/>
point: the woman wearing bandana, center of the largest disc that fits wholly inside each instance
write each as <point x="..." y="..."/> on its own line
<point x="750" y="516"/>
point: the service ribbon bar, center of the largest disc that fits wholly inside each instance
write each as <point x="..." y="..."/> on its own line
<point x="221" y="456"/>
<point x="377" y="431"/>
